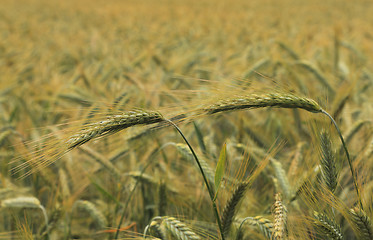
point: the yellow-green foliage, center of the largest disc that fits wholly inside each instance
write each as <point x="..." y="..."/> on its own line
<point x="87" y="87"/>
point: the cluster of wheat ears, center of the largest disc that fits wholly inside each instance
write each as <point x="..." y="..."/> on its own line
<point x="164" y="227"/>
<point x="178" y="120"/>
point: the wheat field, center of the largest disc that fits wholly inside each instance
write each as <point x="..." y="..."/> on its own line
<point x="179" y="120"/>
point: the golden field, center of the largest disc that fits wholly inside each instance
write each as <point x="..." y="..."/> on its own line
<point x="87" y="89"/>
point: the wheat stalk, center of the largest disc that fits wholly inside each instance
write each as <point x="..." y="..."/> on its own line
<point x="93" y="211"/>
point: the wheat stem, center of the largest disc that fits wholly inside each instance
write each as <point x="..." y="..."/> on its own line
<point x="353" y="172"/>
<point x="210" y="190"/>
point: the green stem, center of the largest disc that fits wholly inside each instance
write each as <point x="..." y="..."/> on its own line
<point x="353" y="172"/>
<point x="211" y="192"/>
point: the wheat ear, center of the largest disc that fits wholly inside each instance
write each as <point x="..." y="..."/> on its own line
<point x="362" y="223"/>
<point x="154" y="229"/>
<point x="280" y="218"/>
<point x="328" y="162"/>
<point x="113" y="124"/>
<point x="93" y="211"/>
<point x="264" y="225"/>
<point x="26" y="202"/>
<point x="263" y="100"/>
<point x="327" y="226"/>
<point x="184" y="150"/>
<point x="230" y="208"/>
<point x="178" y="229"/>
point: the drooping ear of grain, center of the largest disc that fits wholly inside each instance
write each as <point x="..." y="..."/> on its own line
<point x="327" y="227"/>
<point x="176" y="228"/>
<point x="53" y="151"/>
<point x="97" y="216"/>
<point x="265" y="225"/>
<point x="154" y="229"/>
<point x="362" y="223"/>
<point x="187" y="154"/>
<point x="21" y="202"/>
<point x="261" y="101"/>
<point x="113" y="124"/>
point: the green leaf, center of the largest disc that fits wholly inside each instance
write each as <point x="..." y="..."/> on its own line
<point x="219" y="172"/>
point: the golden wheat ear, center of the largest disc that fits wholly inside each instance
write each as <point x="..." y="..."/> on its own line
<point x="113" y="124"/>
<point x="51" y="151"/>
<point x="263" y="100"/>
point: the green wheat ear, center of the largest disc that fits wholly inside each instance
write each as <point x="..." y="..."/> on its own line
<point x="362" y="223"/>
<point x="328" y="162"/>
<point x="252" y="101"/>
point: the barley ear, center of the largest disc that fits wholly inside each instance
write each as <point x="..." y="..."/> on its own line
<point x="178" y="229"/>
<point x="251" y="101"/>
<point x="230" y="208"/>
<point x="265" y="226"/>
<point x="280" y="218"/>
<point x="93" y="211"/>
<point x="327" y="226"/>
<point x="362" y="223"/>
<point x="154" y="229"/>
<point x="113" y="124"/>
<point x="328" y="162"/>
